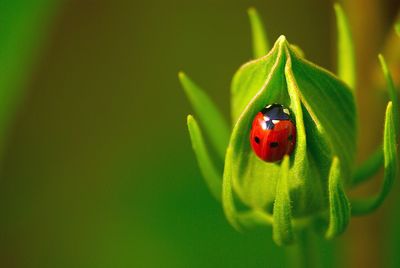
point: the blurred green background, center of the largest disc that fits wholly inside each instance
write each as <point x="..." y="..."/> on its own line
<point x="97" y="168"/>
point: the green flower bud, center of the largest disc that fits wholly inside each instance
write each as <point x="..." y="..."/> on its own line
<point x="324" y="112"/>
<point x="307" y="188"/>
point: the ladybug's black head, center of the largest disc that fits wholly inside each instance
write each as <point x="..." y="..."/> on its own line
<point x="276" y="112"/>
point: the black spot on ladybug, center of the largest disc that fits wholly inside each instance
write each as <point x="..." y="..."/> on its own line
<point x="257" y="139"/>
<point x="290" y="137"/>
<point x="273" y="144"/>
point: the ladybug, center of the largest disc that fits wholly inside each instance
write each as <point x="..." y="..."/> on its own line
<point x="273" y="133"/>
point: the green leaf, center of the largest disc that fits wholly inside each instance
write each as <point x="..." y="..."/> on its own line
<point x="307" y="190"/>
<point x="373" y="164"/>
<point x="207" y="168"/>
<point x="250" y="79"/>
<point x="282" y="231"/>
<point x="211" y="118"/>
<point x="330" y="115"/>
<point x="392" y="92"/>
<point x="346" y="56"/>
<point x="227" y="193"/>
<point x="397" y="28"/>
<point x="339" y="207"/>
<point x="364" y="206"/>
<point x="369" y="168"/>
<point x="260" y="40"/>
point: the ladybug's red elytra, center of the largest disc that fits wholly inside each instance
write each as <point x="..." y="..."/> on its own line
<point x="273" y="133"/>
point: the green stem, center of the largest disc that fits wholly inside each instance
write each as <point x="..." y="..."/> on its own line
<point x="304" y="252"/>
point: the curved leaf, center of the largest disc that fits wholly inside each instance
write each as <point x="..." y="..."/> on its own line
<point x="373" y="164"/>
<point x="211" y="118"/>
<point x="346" y="57"/>
<point x="364" y="206"/>
<point x="339" y="207"/>
<point x="260" y="40"/>
<point x="392" y="92"/>
<point x="207" y="168"/>
<point x="282" y="231"/>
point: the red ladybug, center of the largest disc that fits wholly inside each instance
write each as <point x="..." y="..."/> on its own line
<point x="273" y="133"/>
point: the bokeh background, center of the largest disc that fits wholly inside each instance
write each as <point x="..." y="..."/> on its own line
<point x="96" y="163"/>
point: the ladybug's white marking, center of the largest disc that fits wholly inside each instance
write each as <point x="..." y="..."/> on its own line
<point x="275" y="122"/>
<point x="264" y="125"/>
<point x="266" y="118"/>
<point x="286" y="111"/>
<point x="269" y="106"/>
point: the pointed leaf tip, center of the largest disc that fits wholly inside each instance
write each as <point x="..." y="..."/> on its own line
<point x="339" y="207"/>
<point x="189" y="119"/>
<point x="214" y="123"/>
<point x="281" y="39"/>
<point x="392" y="92"/>
<point x="182" y="77"/>
<point x="260" y="40"/>
<point x="346" y="56"/>
<point x="210" y="173"/>
<point x="337" y="7"/>
<point x="251" y="11"/>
